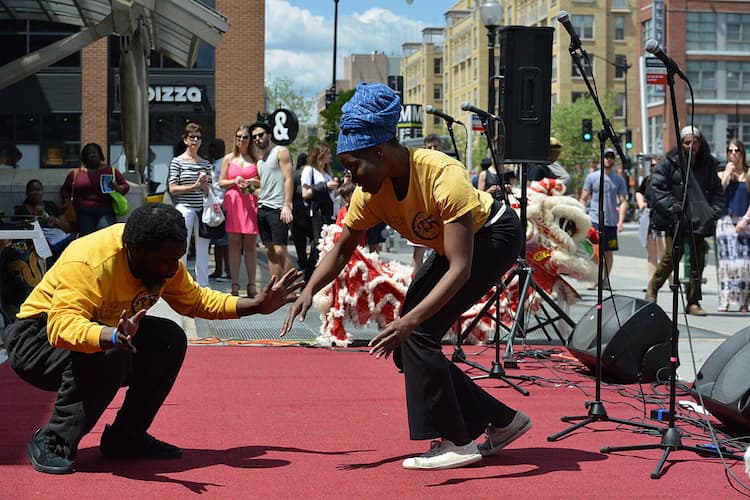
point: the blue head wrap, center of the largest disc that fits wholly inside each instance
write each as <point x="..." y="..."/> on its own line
<point x="369" y="118"/>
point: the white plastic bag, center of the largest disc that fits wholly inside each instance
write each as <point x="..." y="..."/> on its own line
<point x="212" y="213"/>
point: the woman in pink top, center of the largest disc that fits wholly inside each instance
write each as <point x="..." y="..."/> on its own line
<point x="239" y="176"/>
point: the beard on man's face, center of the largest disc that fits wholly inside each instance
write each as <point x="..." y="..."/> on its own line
<point x="153" y="283"/>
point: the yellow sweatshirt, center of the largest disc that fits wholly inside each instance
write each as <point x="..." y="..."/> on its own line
<point x="91" y="284"/>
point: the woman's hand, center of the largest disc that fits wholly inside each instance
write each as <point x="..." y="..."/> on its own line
<point x="391" y="337"/>
<point x="741" y="226"/>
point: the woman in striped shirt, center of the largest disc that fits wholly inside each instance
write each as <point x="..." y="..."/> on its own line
<point x="189" y="181"/>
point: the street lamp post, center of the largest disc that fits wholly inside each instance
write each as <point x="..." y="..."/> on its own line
<point x="491" y="13"/>
<point x="331" y="93"/>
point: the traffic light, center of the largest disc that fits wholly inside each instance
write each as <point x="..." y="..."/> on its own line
<point x="587" y="132"/>
<point x="628" y="139"/>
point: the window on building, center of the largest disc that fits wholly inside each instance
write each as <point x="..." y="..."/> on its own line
<point x="574" y="96"/>
<point x="620" y="102"/>
<point x="584" y="26"/>
<point x="619" y="28"/>
<point x="19" y="38"/>
<point x="589" y="69"/>
<point x="738" y="32"/>
<point x="621" y="66"/>
<point x="701" y="31"/>
<point x="702" y="76"/>
<point x="437" y="67"/>
<point x="554" y="68"/>
<point x="437" y="92"/>
<point x="619" y="4"/>
<point x="738" y="80"/>
<point x="706" y="125"/>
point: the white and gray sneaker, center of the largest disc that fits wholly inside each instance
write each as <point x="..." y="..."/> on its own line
<point x="498" y="438"/>
<point x="444" y="454"/>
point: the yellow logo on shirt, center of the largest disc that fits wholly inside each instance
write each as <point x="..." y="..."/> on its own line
<point x="425" y="226"/>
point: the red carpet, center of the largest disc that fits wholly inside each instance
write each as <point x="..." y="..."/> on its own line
<point x="293" y="422"/>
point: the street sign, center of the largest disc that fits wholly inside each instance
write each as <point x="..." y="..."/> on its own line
<point x="476" y="124"/>
<point x="284" y="126"/>
<point x="656" y="72"/>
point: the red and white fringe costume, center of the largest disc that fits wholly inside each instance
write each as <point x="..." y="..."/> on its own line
<point x="559" y="240"/>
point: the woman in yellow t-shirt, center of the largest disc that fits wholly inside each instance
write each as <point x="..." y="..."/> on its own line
<point x="428" y="197"/>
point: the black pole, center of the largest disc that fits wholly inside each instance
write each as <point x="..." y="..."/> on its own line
<point x="335" y="35"/>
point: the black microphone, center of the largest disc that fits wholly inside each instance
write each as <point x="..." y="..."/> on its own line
<point x="480" y="112"/>
<point x="564" y="19"/>
<point x="653" y="47"/>
<point x="430" y="109"/>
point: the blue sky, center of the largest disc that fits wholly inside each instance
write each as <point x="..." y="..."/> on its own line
<point x="299" y="34"/>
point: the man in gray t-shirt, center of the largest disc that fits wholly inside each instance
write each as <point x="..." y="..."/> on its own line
<point x="274" y="199"/>
<point x="615" y="206"/>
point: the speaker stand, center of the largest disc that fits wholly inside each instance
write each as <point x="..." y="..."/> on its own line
<point x="671" y="439"/>
<point x="596" y="410"/>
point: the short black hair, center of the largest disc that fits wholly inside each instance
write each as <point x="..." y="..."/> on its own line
<point x="262" y="125"/>
<point x="32" y="182"/>
<point x="149" y="225"/>
<point x="91" y="146"/>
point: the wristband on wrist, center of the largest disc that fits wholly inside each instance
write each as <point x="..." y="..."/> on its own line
<point x="745" y="218"/>
<point x="114" y="337"/>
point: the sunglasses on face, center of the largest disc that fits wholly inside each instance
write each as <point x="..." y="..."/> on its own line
<point x="195" y="137"/>
<point x="243" y="137"/>
<point x="733" y="150"/>
<point x="259" y="135"/>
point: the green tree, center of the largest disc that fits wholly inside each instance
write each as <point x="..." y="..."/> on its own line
<point x="577" y="154"/>
<point x="329" y="119"/>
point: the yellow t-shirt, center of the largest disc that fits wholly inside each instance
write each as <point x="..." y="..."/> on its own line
<point x="90" y="285"/>
<point x="440" y="191"/>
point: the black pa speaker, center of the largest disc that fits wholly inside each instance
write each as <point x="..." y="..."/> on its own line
<point x="635" y="340"/>
<point x="723" y="383"/>
<point x="527" y="90"/>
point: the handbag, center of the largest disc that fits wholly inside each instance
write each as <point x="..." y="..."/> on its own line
<point x="211" y="232"/>
<point x="119" y="202"/>
<point x="212" y="214"/>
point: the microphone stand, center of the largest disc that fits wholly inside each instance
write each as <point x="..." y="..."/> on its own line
<point x="450" y="123"/>
<point x="596" y="410"/>
<point x="671" y="439"/>
<point x="497" y="371"/>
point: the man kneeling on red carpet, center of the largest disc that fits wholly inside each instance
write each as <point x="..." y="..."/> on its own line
<point x="84" y="333"/>
<point x="426" y="196"/>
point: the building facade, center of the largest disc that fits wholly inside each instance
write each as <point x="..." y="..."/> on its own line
<point x="49" y="116"/>
<point x="710" y="41"/>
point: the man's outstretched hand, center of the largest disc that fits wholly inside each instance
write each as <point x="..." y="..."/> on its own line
<point x="278" y="292"/>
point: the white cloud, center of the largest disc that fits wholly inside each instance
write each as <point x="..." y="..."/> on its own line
<point x="299" y="45"/>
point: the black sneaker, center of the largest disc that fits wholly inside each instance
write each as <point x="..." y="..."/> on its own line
<point x="118" y="445"/>
<point x="45" y="451"/>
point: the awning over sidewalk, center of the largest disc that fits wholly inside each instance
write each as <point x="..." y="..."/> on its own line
<point x="174" y="27"/>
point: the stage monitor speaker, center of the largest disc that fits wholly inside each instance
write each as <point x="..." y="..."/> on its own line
<point x="635" y="340"/>
<point x="526" y="66"/>
<point x="723" y="382"/>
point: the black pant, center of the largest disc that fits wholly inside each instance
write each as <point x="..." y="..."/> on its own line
<point x="87" y="383"/>
<point x="318" y="219"/>
<point x="442" y="401"/>
<point x="301" y="236"/>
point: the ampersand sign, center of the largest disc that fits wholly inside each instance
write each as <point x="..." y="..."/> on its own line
<point x="285" y="126"/>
